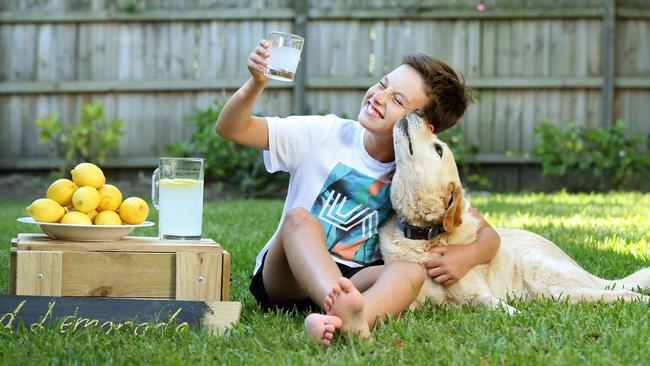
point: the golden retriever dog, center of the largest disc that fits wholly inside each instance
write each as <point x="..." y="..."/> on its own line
<point x="430" y="211"/>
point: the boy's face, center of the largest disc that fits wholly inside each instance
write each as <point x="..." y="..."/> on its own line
<point x="393" y="97"/>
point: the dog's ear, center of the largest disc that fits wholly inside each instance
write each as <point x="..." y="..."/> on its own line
<point x="455" y="209"/>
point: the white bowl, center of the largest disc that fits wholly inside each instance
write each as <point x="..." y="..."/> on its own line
<point x="84" y="232"/>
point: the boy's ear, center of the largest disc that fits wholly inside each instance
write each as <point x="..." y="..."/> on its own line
<point x="455" y="209"/>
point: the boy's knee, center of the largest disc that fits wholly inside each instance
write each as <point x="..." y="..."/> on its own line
<point x="298" y="216"/>
<point x="414" y="273"/>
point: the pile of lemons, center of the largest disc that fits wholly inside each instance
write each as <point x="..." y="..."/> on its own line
<point x="87" y="200"/>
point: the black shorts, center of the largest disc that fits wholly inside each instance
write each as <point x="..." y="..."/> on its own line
<point x="259" y="292"/>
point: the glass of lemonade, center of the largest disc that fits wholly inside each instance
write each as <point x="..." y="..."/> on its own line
<point x="177" y="193"/>
<point x="285" y="55"/>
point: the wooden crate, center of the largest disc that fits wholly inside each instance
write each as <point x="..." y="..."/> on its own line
<point x="134" y="267"/>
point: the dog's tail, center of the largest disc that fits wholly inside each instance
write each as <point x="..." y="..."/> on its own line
<point x="638" y="279"/>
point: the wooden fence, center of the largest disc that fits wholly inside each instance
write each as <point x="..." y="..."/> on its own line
<point x="154" y="61"/>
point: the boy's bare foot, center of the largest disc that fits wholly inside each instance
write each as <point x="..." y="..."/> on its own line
<point x="348" y="305"/>
<point x="331" y="297"/>
<point x="321" y="327"/>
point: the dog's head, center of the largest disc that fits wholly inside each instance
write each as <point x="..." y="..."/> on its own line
<point x="426" y="188"/>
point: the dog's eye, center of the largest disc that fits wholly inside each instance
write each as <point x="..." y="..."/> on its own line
<point x="438" y="148"/>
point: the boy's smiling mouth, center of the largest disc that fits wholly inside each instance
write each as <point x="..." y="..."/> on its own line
<point x="373" y="111"/>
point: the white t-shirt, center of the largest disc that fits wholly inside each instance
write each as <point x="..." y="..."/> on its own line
<point x="333" y="177"/>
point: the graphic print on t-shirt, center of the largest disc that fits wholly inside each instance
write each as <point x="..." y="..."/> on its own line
<point x="351" y="206"/>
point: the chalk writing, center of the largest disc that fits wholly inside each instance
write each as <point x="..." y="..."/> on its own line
<point x="72" y="323"/>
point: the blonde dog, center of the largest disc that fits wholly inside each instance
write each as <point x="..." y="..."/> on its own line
<point x="428" y="200"/>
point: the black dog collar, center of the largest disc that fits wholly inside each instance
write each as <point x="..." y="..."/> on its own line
<point x="419" y="233"/>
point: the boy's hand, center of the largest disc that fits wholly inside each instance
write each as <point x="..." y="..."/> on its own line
<point x="452" y="265"/>
<point x="257" y="61"/>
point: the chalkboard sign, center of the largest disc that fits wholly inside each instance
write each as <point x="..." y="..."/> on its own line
<point x="69" y="314"/>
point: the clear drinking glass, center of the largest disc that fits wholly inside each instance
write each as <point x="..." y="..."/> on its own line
<point x="285" y="55"/>
<point x="177" y="193"/>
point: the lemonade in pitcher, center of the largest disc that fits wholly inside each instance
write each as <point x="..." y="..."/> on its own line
<point x="180" y="195"/>
<point x="177" y="193"/>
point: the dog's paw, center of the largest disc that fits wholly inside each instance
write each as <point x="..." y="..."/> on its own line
<point x="509" y="309"/>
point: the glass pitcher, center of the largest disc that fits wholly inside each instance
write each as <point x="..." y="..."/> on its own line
<point x="177" y="194"/>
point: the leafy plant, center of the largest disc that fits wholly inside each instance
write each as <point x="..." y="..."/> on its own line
<point x="587" y="158"/>
<point x="229" y="163"/>
<point x="90" y="139"/>
<point x="465" y="156"/>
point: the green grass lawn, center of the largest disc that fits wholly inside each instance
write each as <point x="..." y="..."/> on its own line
<point x="608" y="234"/>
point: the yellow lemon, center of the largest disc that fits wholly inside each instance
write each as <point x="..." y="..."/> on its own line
<point x="134" y="210"/>
<point x="110" y="198"/>
<point x="85" y="199"/>
<point x="91" y="215"/>
<point x="88" y="174"/>
<point x="61" y="191"/>
<point x="45" y="210"/>
<point x="108" y="218"/>
<point x="76" y="218"/>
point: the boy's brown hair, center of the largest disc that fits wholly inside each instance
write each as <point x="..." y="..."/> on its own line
<point x="448" y="95"/>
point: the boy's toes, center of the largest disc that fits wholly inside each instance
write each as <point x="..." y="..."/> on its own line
<point x="335" y="321"/>
<point x="328" y="303"/>
<point x="346" y="285"/>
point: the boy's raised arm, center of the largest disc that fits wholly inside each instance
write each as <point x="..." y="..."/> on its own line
<point x="236" y="122"/>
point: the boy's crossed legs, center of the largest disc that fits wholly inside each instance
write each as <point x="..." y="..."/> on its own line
<point x="298" y="266"/>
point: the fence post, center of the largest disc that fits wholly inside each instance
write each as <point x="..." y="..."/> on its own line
<point x="609" y="30"/>
<point x="300" y="28"/>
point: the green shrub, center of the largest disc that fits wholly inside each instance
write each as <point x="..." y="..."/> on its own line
<point x="91" y="139"/>
<point x="227" y="162"/>
<point x="591" y="158"/>
<point x="465" y="156"/>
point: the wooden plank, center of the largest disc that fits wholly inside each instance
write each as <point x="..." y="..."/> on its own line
<point x="284" y="13"/>
<point x="66" y="52"/>
<point x="430" y="13"/>
<point x="528" y="122"/>
<point x="24" y="52"/>
<point x="486" y="107"/>
<point x="198" y="276"/>
<point x="13" y="162"/>
<point x="225" y="277"/>
<point x="223" y="315"/>
<point x="12" y="269"/>
<point x="280" y="13"/>
<point x="45" y="60"/>
<point x="488" y="49"/>
<point x="38" y="273"/>
<point x="118" y="274"/>
<point x="500" y="133"/>
<point x="129" y="86"/>
<point x="127" y="244"/>
<point x="299" y="82"/>
<point x="608" y="48"/>
<point x="502" y="50"/>
<point x="5" y="57"/>
<point x="472" y="68"/>
<point x="84" y="51"/>
<point x="188" y="15"/>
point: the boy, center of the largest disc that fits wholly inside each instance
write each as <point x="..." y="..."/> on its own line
<point x="324" y="250"/>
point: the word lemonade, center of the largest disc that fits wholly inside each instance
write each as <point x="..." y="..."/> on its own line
<point x="87" y="200"/>
<point x="181" y="195"/>
<point x="72" y="323"/>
